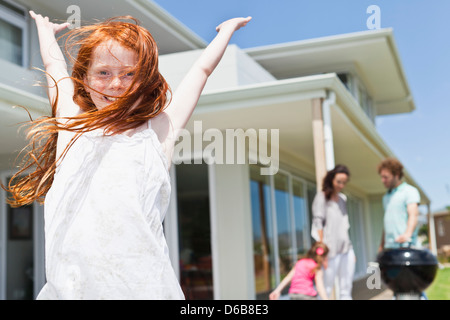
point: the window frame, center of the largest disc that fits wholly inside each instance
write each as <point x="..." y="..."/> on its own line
<point x="19" y="21"/>
<point x="272" y="218"/>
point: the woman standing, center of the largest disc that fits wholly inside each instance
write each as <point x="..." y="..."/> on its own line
<point x="330" y="225"/>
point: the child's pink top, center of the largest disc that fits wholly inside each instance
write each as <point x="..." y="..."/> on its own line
<point x="303" y="280"/>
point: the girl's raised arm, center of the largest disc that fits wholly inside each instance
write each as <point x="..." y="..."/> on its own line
<point x="55" y="66"/>
<point x="186" y="96"/>
<point x="188" y="92"/>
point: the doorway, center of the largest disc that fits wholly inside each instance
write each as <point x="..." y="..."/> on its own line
<point x="194" y="231"/>
<point x="21" y="249"/>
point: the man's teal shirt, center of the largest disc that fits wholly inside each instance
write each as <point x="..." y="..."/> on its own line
<point x="395" y="204"/>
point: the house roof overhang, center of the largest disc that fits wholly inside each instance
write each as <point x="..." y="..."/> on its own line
<point x="170" y="34"/>
<point x="372" y="55"/>
<point x="287" y="105"/>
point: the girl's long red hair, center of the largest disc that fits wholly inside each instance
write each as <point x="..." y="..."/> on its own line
<point x="145" y="98"/>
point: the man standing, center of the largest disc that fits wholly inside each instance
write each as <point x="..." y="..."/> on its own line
<point x="400" y="204"/>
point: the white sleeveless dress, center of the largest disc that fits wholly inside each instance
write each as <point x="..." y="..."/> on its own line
<point x="103" y="221"/>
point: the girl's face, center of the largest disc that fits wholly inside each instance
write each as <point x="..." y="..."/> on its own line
<point x="110" y="72"/>
<point x="339" y="182"/>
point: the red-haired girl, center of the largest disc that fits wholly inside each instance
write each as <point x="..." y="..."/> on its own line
<point x="304" y="274"/>
<point x="101" y="159"/>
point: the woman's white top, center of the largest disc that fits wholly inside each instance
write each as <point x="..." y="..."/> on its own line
<point x="331" y="217"/>
<point x="103" y="221"/>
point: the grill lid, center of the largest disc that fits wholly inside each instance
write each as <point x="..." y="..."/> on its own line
<point x="406" y="257"/>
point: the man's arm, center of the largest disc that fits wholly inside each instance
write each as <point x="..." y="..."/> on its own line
<point x="413" y="215"/>
<point x="381" y="247"/>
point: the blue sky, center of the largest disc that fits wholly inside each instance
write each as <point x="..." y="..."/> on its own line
<point x="420" y="139"/>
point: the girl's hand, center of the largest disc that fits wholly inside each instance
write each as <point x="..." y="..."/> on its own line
<point x="234" y="24"/>
<point x="275" y="295"/>
<point x="44" y="22"/>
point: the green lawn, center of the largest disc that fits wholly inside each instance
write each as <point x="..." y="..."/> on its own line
<point x="440" y="288"/>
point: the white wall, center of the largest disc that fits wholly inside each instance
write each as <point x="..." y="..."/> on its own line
<point x="233" y="232"/>
<point x="235" y="69"/>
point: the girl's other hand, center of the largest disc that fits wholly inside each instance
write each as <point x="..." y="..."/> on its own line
<point x="275" y="295"/>
<point x="235" y="24"/>
<point x="44" y="22"/>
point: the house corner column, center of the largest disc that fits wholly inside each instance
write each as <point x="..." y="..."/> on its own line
<point x="319" y="141"/>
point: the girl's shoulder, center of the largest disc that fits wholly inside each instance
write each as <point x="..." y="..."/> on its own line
<point x="306" y="262"/>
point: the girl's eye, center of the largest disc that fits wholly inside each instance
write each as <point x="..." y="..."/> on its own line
<point x="130" y="74"/>
<point x="103" y="73"/>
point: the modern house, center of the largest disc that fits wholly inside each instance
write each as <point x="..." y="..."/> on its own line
<point x="240" y="213"/>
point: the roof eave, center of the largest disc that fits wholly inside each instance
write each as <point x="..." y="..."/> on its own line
<point x="157" y="13"/>
<point x="277" y="52"/>
<point x="309" y="87"/>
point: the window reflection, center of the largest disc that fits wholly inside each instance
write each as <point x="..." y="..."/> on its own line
<point x="280" y="228"/>
<point x="263" y="254"/>
<point x="356" y="220"/>
<point x="194" y="232"/>
<point x="299" y="204"/>
<point x="284" y="225"/>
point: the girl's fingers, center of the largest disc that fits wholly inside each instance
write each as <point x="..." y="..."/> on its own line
<point x="46" y="22"/>
<point x="238" y="22"/>
<point x="60" y="27"/>
<point x="33" y="14"/>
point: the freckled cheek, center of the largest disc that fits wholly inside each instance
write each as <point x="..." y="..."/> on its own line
<point x="98" y="85"/>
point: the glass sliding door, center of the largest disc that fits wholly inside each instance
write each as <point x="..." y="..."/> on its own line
<point x="356" y="220"/>
<point x="284" y="225"/>
<point x="194" y="231"/>
<point x="17" y="245"/>
<point x="19" y="253"/>
<point x="299" y="204"/>
<point x="311" y="192"/>
<point x="263" y="235"/>
<point x="280" y="226"/>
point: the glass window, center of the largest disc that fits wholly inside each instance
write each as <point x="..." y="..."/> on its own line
<point x="359" y="91"/>
<point x="344" y="77"/>
<point x="284" y="224"/>
<point x="194" y="231"/>
<point x="19" y="247"/>
<point x="356" y="232"/>
<point x="10" y="43"/>
<point x="362" y="98"/>
<point x="311" y="191"/>
<point x="13" y="27"/>
<point x="263" y="253"/>
<point x="280" y="227"/>
<point x="441" y="228"/>
<point x="301" y="228"/>
<point x="365" y="101"/>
